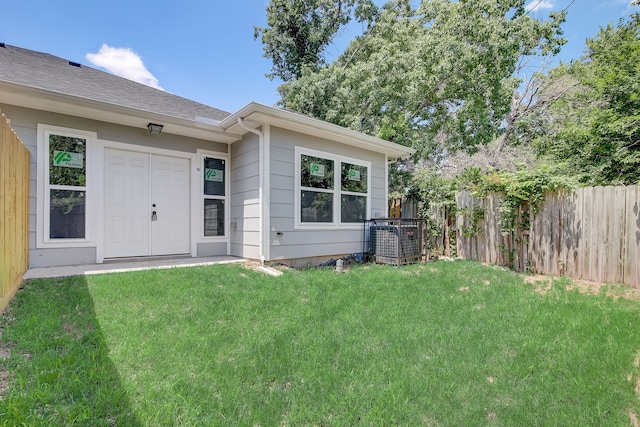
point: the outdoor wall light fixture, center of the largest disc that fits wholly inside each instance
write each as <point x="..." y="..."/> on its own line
<point x="155" y="128"/>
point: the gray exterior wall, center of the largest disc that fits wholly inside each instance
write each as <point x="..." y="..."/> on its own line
<point x="212" y="249"/>
<point x="311" y="243"/>
<point x="245" y="197"/>
<point x="25" y="123"/>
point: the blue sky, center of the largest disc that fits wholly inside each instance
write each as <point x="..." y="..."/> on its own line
<point x="204" y="49"/>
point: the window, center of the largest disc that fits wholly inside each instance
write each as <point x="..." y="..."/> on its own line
<point x="214" y="191"/>
<point x="316" y="182"/>
<point x="65" y="186"/>
<point x="353" y="202"/>
<point x="331" y="189"/>
<point x="66" y="178"/>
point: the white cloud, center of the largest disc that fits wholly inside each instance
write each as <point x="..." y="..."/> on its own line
<point x="536" y="5"/>
<point x="125" y="63"/>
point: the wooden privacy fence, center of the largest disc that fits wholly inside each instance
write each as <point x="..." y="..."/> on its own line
<point x="14" y="202"/>
<point x="591" y="233"/>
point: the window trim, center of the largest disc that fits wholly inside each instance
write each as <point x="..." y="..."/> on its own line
<point x="201" y="196"/>
<point x="337" y="190"/>
<point x="43" y="201"/>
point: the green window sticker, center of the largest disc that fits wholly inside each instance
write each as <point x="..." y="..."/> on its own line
<point x="64" y="159"/>
<point x="354" y="175"/>
<point x="317" y="169"/>
<point x="215" y="175"/>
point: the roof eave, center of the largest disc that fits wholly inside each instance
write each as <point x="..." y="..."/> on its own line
<point x="40" y="99"/>
<point x="263" y="114"/>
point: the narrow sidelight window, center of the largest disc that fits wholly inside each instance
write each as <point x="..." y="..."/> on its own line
<point x="214" y="196"/>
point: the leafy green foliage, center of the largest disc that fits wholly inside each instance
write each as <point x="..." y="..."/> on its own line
<point x="522" y="191"/>
<point x="593" y="131"/>
<point x="438" y="77"/>
<point x="298" y="31"/>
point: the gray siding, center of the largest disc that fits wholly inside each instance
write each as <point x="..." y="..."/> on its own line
<point x="61" y="256"/>
<point x="310" y="243"/>
<point x="245" y="197"/>
<point x="212" y="249"/>
<point x="25" y="123"/>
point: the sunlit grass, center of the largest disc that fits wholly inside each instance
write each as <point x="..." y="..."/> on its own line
<point x="446" y="343"/>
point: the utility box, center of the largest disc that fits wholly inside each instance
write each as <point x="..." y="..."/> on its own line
<point x="395" y="241"/>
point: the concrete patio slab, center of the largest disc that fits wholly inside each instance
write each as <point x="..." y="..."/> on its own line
<point x="128" y="265"/>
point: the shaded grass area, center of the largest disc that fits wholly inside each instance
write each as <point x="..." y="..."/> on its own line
<point x="445" y="343"/>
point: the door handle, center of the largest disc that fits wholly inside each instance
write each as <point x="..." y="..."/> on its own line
<point x="154" y="216"/>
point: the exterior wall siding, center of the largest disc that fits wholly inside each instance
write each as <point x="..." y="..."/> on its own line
<point x="245" y="197"/>
<point x="212" y="249"/>
<point x="309" y="243"/>
<point x="25" y="122"/>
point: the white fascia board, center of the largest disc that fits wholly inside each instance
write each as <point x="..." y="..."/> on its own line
<point x="259" y="113"/>
<point x="38" y="99"/>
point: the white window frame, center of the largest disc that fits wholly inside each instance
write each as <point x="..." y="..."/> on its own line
<point x="227" y="187"/>
<point x="337" y="190"/>
<point x="43" y="202"/>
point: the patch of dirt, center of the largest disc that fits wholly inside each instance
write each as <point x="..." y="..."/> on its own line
<point x="635" y="381"/>
<point x="584" y="287"/>
<point x="543" y="284"/>
<point x="636" y="361"/>
<point x="251" y="265"/>
<point x="4" y="383"/>
<point x="4" y="353"/>
<point x="72" y="330"/>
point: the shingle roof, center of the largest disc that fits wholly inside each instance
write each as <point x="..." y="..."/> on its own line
<point x="44" y="71"/>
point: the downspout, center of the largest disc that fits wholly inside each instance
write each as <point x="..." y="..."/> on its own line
<point x="261" y="189"/>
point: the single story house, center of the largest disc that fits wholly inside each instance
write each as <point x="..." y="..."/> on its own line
<point x="122" y="170"/>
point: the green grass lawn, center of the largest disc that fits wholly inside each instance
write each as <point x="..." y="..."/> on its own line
<point x="437" y="344"/>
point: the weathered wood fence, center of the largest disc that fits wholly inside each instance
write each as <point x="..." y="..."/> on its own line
<point x="14" y="205"/>
<point x="591" y="233"/>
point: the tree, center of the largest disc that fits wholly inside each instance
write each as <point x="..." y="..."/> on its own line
<point x="438" y="77"/>
<point x="298" y="31"/>
<point x="594" y="130"/>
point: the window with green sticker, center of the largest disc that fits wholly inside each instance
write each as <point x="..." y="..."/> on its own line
<point x="67" y="186"/>
<point x="317" y="172"/>
<point x="332" y="190"/>
<point x="214" y="179"/>
<point x="354" y="178"/>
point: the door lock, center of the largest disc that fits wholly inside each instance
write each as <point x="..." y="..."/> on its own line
<point x="154" y="216"/>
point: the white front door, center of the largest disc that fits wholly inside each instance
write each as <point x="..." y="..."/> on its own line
<point x="146" y="204"/>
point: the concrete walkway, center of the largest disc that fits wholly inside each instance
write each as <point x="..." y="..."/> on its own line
<point x="127" y="265"/>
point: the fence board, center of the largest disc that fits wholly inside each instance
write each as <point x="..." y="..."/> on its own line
<point x="632" y="238"/>
<point x="4" y="205"/>
<point x="591" y="233"/>
<point x="14" y="202"/>
<point x="588" y="247"/>
<point x="617" y="224"/>
<point x="573" y="234"/>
